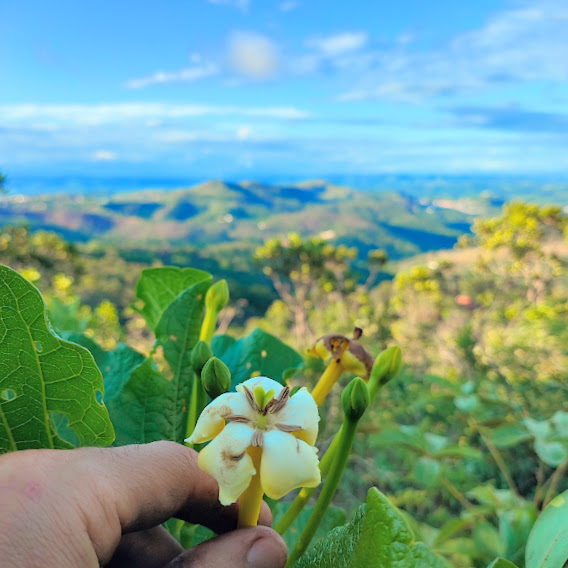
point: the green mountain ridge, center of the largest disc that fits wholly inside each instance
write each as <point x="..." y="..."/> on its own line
<point x="220" y="215"/>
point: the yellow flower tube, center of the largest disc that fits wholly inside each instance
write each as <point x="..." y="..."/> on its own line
<point x="346" y="355"/>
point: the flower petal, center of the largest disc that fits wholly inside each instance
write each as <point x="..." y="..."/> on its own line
<point x="300" y="410"/>
<point x="212" y="419"/>
<point x="227" y="460"/>
<point x="287" y="463"/>
<point x="264" y="382"/>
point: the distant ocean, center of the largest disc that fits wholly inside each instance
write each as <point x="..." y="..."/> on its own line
<point x="539" y="188"/>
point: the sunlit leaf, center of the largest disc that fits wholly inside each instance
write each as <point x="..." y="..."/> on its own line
<point x="46" y="384"/>
<point x="158" y="287"/>
<point x="377" y="537"/>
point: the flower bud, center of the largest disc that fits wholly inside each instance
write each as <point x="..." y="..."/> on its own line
<point x="385" y="368"/>
<point x="200" y="354"/>
<point x="215" y="377"/>
<point x="217" y="296"/>
<point x="355" y="398"/>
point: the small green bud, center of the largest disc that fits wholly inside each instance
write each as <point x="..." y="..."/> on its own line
<point x="355" y="398"/>
<point x="200" y="354"/>
<point x="215" y="377"/>
<point x="217" y="296"/>
<point x="385" y="368"/>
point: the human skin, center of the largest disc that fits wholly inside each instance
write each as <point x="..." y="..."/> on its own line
<point x="104" y="506"/>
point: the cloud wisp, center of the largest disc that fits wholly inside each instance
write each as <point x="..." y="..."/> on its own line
<point x="253" y="56"/>
<point x="186" y="75"/>
<point x="514" y="46"/>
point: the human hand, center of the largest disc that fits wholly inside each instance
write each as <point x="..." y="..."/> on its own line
<point x="104" y="506"/>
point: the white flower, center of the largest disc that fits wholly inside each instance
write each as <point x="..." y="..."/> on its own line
<point x="261" y="414"/>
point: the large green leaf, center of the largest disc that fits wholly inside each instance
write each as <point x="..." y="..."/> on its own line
<point x="547" y="546"/>
<point x="116" y="366"/>
<point x="259" y="353"/>
<point x="158" y="287"/>
<point x="377" y="537"/>
<point x="408" y="436"/>
<point x="47" y="385"/>
<point x="147" y="408"/>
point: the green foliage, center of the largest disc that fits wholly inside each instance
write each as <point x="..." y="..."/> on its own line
<point x="378" y="536"/>
<point x="547" y="546"/>
<point x="259" y="353"/>
<point x="48" y="386"/>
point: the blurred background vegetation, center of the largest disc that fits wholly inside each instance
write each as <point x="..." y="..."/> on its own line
<point x="472" y="439"/>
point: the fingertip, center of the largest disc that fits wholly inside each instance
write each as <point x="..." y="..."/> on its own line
<point x="268" y="551"/>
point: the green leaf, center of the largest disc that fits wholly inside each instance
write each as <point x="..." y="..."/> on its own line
<point x="501" y="563"/>
<point x="147" y="408"/>
<point x="551" y="453"/>
<point x="486" y="538"/>
<point x="509" y="435"/>
<point x="408" y="436"/>
<point x="158" y="287"/>
<point x="426" y="472"/>
<point x="547" y="546"/>
<point x="334" y="517"/>
<point x="377" y="537"/>
<point x="259" y="353"/>
<point x="116" y="366"/>
<point x="47" y="385"/>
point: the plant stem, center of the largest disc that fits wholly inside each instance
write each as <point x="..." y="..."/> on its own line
<point x="554" y="480"/>
<point x="327" y="380"/>
<point x="328" y="491"/>
<point x="456" y="493"/>
<point x="197" y="403"/>
<point x="251" y="499"/>
<point x="496" y="455"/>
<point x="208" y="326"/>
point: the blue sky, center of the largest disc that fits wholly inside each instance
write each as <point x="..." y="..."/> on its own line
<point x="247" y="88"/>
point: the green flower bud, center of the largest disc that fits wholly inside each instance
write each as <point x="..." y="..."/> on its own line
<point x="215" y="377"/>
<point x="385" y="368"/>
<point x="200" y="354"/>
<point x="217" y="296"/>
<point x="355" y="398"/>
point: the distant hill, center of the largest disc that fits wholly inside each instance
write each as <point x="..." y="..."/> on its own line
<point x="225" y="217"/>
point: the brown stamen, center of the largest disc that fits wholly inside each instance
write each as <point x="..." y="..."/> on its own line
<point x="239" y="457"/>
<point x="279" y="402"/>
<point x="287" y="427"/>
<point x="250" y="397"/>
<point x="237" y="418"/>
<point x="257" y="438"/>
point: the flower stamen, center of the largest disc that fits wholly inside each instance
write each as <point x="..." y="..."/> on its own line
<point x="287" y="427"/>
<point x="257" y="438"/>
<point x="237" y="418"/>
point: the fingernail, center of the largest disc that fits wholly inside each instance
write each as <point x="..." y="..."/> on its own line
<point x="267" y="552"/>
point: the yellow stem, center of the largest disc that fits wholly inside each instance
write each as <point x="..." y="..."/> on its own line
<point x="208" y="326"/>
<point x="327" y="380"/>
<point x="251" y="499"/>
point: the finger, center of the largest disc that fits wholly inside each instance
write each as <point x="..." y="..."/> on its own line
<point x="258" y="547"/>
<point x="152" y="548"/>
<point x="149" y="483"/>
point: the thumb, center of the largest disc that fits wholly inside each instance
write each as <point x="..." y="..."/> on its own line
<point x="255" y="547"/>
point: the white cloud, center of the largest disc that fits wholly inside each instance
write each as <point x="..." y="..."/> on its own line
<point x="242" y="5"/>
<point x="243" y="132"/>
<point x="189" y="74"/>
<point x="253" y="55"/>
<point x="104" y="156"/>
<point x="28" y="115"/>
<point x="338" y="44"/>
<point x="288" y="6"/>
<point x="525" y="44"/>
